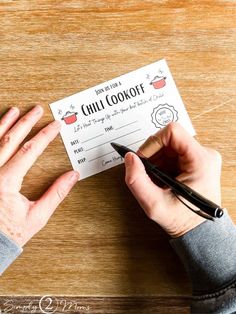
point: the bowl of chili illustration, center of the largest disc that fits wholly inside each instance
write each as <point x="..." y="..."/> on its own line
<point x="70" y="117"/>
<point x="158" y="82"/>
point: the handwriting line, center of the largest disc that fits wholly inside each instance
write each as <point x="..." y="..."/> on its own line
<point x="113" y="139"/>
<point x="114" y="150"/>
<point x="101" y="156"/>
<point x="92" y="138"/>
<point x="136" y="142"/>
<point x="120" y="127"/>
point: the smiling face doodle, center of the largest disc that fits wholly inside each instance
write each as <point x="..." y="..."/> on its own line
<point x="163" y="115"/>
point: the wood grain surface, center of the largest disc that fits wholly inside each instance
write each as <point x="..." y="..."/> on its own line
<point x="99" y="242"/>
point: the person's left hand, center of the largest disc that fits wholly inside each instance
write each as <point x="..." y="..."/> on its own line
<point x="21" y="218"/>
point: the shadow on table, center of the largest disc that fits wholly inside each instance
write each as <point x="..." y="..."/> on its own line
<point x="151" y="267"/>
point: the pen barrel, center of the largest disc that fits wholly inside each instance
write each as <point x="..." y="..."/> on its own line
<point x="185" y="191"/>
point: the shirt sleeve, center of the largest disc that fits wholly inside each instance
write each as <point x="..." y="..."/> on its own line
<point x="9" y="251"/>
<point x="208" y="253"/>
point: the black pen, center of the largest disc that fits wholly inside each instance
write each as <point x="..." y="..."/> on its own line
<point x="207" y="208"/>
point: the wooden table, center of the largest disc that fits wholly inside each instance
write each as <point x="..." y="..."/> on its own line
<point x="99" y="246"/>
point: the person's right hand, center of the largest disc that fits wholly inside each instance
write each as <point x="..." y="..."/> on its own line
<point x="175" y="151"/>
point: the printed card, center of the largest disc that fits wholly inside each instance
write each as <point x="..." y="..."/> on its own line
<point x="125" y="110"/>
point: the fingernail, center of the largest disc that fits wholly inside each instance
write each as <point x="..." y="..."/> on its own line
<point x="151" y="146"/>
<point x="37" y="109"/>
<point x="12" y="112"/>
<point x="140" y="153"/>
<point x="128" y="159"/>
<point x="55" y="124"/>
<point x="74" y="177"/>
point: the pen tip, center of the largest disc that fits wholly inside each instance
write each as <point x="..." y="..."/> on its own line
<point x="115" y="146"/>
<point x="112" y="144"/>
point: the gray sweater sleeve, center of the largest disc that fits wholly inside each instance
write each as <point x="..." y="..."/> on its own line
<point x="208" y="253"/>
<point x="9" y="251"/>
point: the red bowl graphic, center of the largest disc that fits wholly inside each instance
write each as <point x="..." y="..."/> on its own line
<point x="159" y="83"/>
<point x="70" y="118"/>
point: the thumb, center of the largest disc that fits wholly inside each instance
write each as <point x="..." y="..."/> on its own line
<point x="44" y="207"/>
<point x="175" y="137"/>
<point x="144" y="190"/>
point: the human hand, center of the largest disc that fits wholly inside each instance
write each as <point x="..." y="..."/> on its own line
<point x="177" y="153"/>
<point x="21" y="218"/>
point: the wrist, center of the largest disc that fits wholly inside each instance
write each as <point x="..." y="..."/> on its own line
<point x="208" y="254"/>
<point x="185" y="225"/>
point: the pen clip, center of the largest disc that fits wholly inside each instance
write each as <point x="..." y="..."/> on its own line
<point x="198" y="212"/>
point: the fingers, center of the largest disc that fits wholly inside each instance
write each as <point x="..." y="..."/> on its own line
<point x="143" y="189"/>
<point x="43" y="208"/>
<point x="11" y="140"/>
<point x="23" y="160"/>
<point x="8" y="120"/>
<point x="174" y="136"/>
